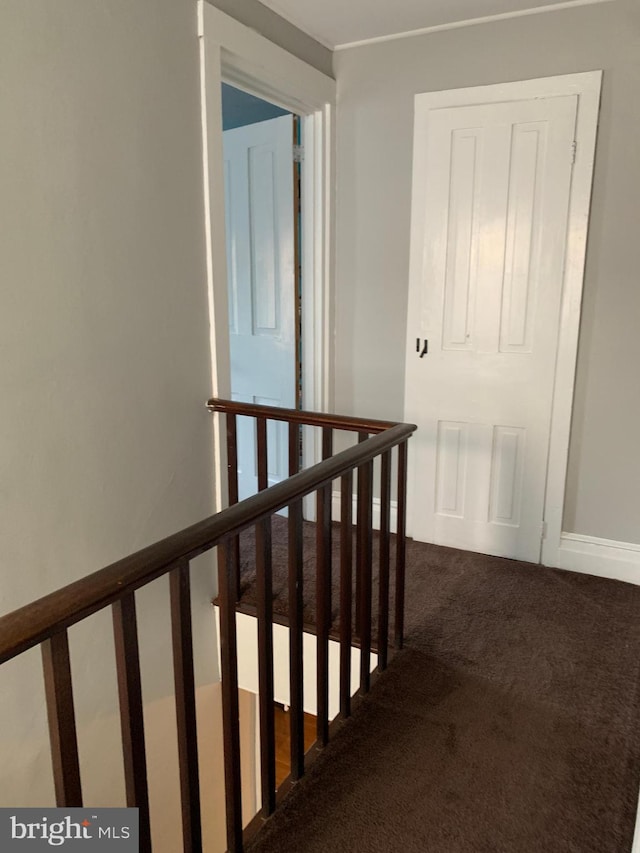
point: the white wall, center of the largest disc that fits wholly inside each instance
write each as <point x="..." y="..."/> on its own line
<point x="105" y="443"/>
<point x="376" y="86"/>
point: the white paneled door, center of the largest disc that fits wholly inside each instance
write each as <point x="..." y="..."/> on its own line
<point x="489" y="229"/>
<point x="258" y="170"/>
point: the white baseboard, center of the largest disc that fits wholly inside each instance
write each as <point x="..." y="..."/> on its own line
<point x="602" y="557"/>
<point x="590" y="555"/>
<point x="335" y="511"/>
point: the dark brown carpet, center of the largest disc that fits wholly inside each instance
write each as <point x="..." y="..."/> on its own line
<point x="510" y="723"/>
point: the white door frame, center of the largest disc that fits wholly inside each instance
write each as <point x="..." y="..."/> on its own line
<point x="586" y="86"/>
<point x="234" y="53"/>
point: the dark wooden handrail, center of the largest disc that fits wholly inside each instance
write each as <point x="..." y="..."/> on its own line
<point x="299" y="416"/>
<point x="32" y="624"/>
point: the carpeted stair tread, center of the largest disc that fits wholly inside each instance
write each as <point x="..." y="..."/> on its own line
<point x="280" y="571"/>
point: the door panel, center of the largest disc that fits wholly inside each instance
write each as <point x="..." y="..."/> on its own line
<point x="260" y="251"/>
<point x="489" y="220"/>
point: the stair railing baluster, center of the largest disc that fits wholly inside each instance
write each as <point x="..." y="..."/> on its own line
<point x="323" y="593"/>
<point x="346" y="590"/>
<point x="262" y="453"/>
<point x="264" y="580"/>
<point x="232" y="485"/>
<point x="181" y="633"/>
<point x="383" y="579"/>
<point x="58" y="686"/>
<point x="264" y="584"/>
<point x="295" y="578"/>
<point x="327" y="451"/>
<point x="362" y="436"/>
<point x="323" y="608"/>
<point x="125" y="633"/>
<point x="365" y="566"/>
<point x="230" y="703"/>
<point x="401" y="545"/>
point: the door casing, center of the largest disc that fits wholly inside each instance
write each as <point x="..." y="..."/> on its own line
<point x="586" y="86"/>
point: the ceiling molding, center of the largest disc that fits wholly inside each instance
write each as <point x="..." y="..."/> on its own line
<point x="470" y="22"/>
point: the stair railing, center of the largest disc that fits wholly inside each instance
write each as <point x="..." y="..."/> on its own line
<point x="376" y="439"/>
<point x="45" y="622"/>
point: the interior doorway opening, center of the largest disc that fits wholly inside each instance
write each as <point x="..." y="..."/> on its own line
<point x="263" y="223"/>
<point x="235" y="54"/>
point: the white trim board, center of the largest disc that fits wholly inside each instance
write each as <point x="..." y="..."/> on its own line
<point x="604" y="558"/>
<point x="469" y="22"/>
<point x="586" y="86"/>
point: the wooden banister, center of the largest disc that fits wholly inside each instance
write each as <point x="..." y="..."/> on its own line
<point x="45" y="621"/>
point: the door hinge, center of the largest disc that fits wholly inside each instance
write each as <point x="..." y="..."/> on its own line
<point x="298" y="154"/>
<point x="574" y="148"/>
<point x="543" y="530"/>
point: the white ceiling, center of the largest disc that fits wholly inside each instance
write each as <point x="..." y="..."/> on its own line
<point x="339" y="23"/>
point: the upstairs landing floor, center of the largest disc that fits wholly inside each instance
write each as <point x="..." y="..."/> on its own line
<point x="509" y="724"/>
